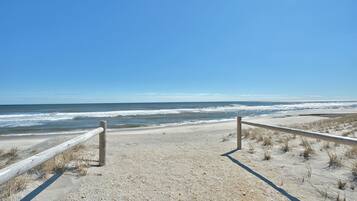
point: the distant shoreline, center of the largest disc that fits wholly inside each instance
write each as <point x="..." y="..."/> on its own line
<point x="163" y="102"/>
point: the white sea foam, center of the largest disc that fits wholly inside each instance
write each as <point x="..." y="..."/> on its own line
<point x="299" y="106"/>
<point x="69" y="132"/>
<point x="16" y="120"/>
<point x="198" y="122"/>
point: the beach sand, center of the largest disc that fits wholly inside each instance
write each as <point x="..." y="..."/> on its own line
<point x="192" y="162"/>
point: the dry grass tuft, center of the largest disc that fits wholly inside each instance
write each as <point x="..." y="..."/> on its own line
<point x="323" y="192"/>
<point x="48" y="167"/>
<point x="10" y="155"/>
<point x="308" y="151"/>
<point x="351" y="153"/>
<point x="7" y="158"/>
<point x="13" y="152"/>
<point x="253" y="136"/>
<point x="58" y="164"/>
<point x="309" y="171"/>
<point x="81" y="168"/>
<point x="334" y="161"/>
<point x="347" y="133"/>
<point x="354" y="171"/>
<point x="245" y="133"/>
<point x="340" y="199"/>
<point x="260" y="138"/>
<point x="285" y="147"/>
<point x="251" y="149"/>
<point x="280" y="140"/>
<point x="14" y="185"/>
<point x="267" y="156"/>
<point x="80" y="147"/>
<point x="267" y="141"/>
<point x="255" y="133"/>
<point x="326" y="145"/>
<point x="341" y="185"/>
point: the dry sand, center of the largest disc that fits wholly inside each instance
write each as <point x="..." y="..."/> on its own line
<point x="188" y="163"/>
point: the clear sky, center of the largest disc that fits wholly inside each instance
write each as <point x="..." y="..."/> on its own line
<point x="136" y="51"/>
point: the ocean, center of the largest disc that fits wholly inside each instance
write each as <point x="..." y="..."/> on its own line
<point x="73" y="118"/>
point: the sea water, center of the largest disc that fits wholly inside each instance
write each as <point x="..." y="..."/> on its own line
<point x="72" y="118"/>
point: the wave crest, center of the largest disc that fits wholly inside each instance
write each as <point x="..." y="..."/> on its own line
<point x="18" y="120"/>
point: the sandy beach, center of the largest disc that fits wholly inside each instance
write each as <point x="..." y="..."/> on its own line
<point x="193" y="162"/>
<point x="178" y="100"/>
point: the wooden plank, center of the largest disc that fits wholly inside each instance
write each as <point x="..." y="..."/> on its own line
<point x="25" y="165"/>
<point x="239" y="133"/>
<point x="328" y="137"/>
<point x="102" y="143"/>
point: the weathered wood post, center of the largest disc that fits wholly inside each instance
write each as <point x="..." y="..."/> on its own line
<point x="102" y="143"/>
<point x="239" y="133"/>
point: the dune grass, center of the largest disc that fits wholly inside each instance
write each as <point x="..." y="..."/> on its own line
<point x="14" y="186"/>
<point x="339" y="157"/>
<point x="56" y="164"/>
<point x="267" y="141"/>
<point x="341" y="185"/>
<point x="285" y="146"/>
<point x="351" y="153"/>
<point x="308" y="150"/>
<point x="267" y="156"/>
<point x="334" y="160"/>
<point x="8" y="157"/>
<point x="354" y="171"/>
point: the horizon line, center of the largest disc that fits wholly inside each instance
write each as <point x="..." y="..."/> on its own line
<point x="155" y="102"/>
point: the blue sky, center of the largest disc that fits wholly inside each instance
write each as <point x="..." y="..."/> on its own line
<point x="138" y="51"/>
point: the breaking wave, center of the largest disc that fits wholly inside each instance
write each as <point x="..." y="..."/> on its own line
<point x="35" y="119"/>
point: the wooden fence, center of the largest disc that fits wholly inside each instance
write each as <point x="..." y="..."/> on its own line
<point x="25" y="165"/>
<point x="323" y="136"/>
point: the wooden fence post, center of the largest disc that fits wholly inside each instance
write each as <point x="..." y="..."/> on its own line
<point x="102" y="143"/>
<point x="239" y="133"/>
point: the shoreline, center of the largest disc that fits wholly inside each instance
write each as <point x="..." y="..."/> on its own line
<point x="259" y="119"/>
<point x="23" y="142"/>
<point x="64" y="120"/>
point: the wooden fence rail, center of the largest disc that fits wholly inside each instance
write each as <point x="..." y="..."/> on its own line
<point x="25" y="165"/>
<point x="323" y="136"/>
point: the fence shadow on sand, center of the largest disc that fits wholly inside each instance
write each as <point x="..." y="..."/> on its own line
<point x="259" y="176"/>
